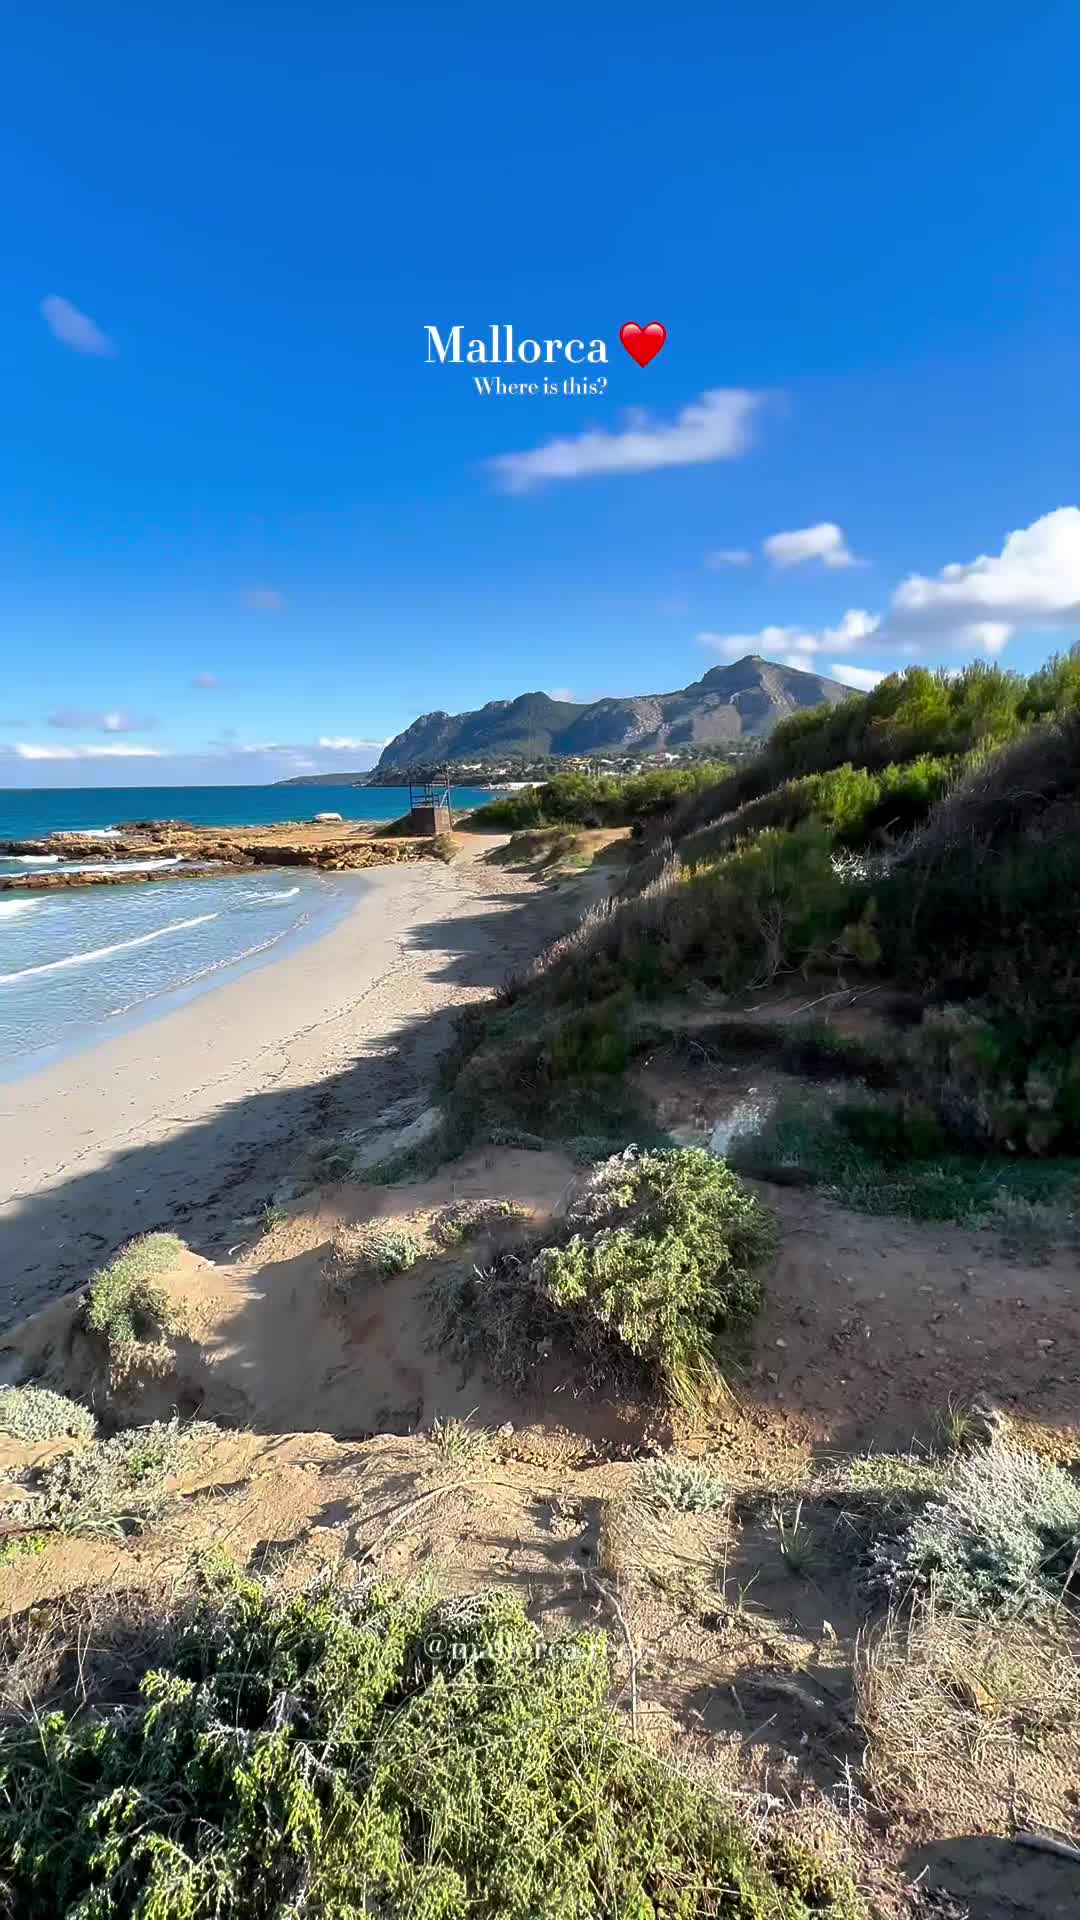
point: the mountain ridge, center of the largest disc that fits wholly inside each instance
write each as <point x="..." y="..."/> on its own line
<point x="740" y="701"/>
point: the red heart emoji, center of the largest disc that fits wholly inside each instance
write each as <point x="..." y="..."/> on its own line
<point x="643" y="343"/>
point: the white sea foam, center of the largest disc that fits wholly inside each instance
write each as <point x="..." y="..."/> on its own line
<point x="121" y="866"/>
<point x="262" y="899"/>
<point x="34" y="860"/>
<point x="103" y="953"/>
<point x="8" y="908"/>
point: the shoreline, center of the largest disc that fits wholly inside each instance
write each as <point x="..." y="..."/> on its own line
<point x="318" y="923"/>
<point x="196" y="1117"/>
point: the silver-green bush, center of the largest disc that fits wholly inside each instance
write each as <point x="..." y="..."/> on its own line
<point x="36" y="1413"/>
<point x="1003" y="1536"/>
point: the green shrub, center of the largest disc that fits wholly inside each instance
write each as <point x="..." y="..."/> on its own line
<point x="527" y="1076"/>
<point x="1004" y="1535"/>
<point x="595" y="800"/>
<point x="909" y="715"/>
<point x="800" y="1145"/>
<point x="662" y="1251"/>
<point x="1001" y="930"/>
<point x="124" y="1303"/>
<point x="892" y="1130"/>
<point x="776" y="902"/>
<point x="377" y="1753"/>
<point x="675" y="1485"/>
<point x="35" y="1413"/>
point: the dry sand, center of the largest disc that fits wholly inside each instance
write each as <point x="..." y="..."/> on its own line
<point x="194" y="1121"/>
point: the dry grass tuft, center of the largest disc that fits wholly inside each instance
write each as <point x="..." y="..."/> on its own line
<point x="373" y="1252"/>
<point x="979" y="1721"/>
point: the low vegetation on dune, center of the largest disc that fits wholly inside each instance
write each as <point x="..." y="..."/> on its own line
<point x="658" y="1255"/>
<point x="126" y="1305"/>
<point x="379" y="1751"/>
<point x="111" y="1487"/>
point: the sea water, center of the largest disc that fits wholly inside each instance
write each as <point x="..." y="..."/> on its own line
<point x="74" y="963"/>
<point x="31" y="814"/>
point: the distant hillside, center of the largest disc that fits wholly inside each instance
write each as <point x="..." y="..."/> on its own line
<point x="326" y="780"/>
<point x="742" y="701"/>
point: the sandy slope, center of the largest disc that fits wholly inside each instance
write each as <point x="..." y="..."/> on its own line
<point x="195" y="1119"/>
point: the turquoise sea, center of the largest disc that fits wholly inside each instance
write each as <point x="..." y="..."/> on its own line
<point x="75" y="965"/>
<point x="25" y="815"/>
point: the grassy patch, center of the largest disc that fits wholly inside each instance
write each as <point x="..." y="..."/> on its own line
<point x="36" y="1413"/>
<point x="971" y="1189"/>
<point x="458" y="1443"/>
<point x="125" y="1304"/>
<point x="462" y="1220"/>
<point x="22" y="1546"/>
<point x="378" y="1752"/>
<point x="375" y="1251"/>
<point x="538" y="847"/>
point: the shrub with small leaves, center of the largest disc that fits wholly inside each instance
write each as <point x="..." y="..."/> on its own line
<point x="1004" y="1535"/>
<point x="664" y="1252"/>
<point x="377" y="1752"/>
<point x="682" y="1486"/>
<point x="36" y="1413"/>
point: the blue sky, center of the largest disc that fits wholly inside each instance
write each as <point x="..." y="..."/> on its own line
<point x="241" y="514"/>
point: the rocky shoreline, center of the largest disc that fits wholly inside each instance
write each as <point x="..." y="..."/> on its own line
<point x="335" y="847"/>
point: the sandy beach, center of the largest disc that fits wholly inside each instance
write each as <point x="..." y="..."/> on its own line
<point x="197" y="1119"/>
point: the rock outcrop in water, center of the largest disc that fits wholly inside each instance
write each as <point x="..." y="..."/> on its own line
<point x="333" y="846"/>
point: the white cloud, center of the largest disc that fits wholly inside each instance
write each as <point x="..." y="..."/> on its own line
<point x="795" y="646"/>
<point x="856" y="626"/>
<point x="864" y="679"/>
<point x="74" y="329"/>
<point x="824" y="542"/>
<point x="116" y="720"/>
<point x="715" y="427"/>
<point x="1035" y="579"/>
<point x="206" y="682"/>
<point x="992" y="635"/>
<point x="977" y="606"/>
<point x="340" y="743"/>
<point x="28" y="750"/>
<point x="722" y="557"/>
<point x="264" y="599"/>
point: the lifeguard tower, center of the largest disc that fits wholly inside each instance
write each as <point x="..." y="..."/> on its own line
<point x="430" y="810"/>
